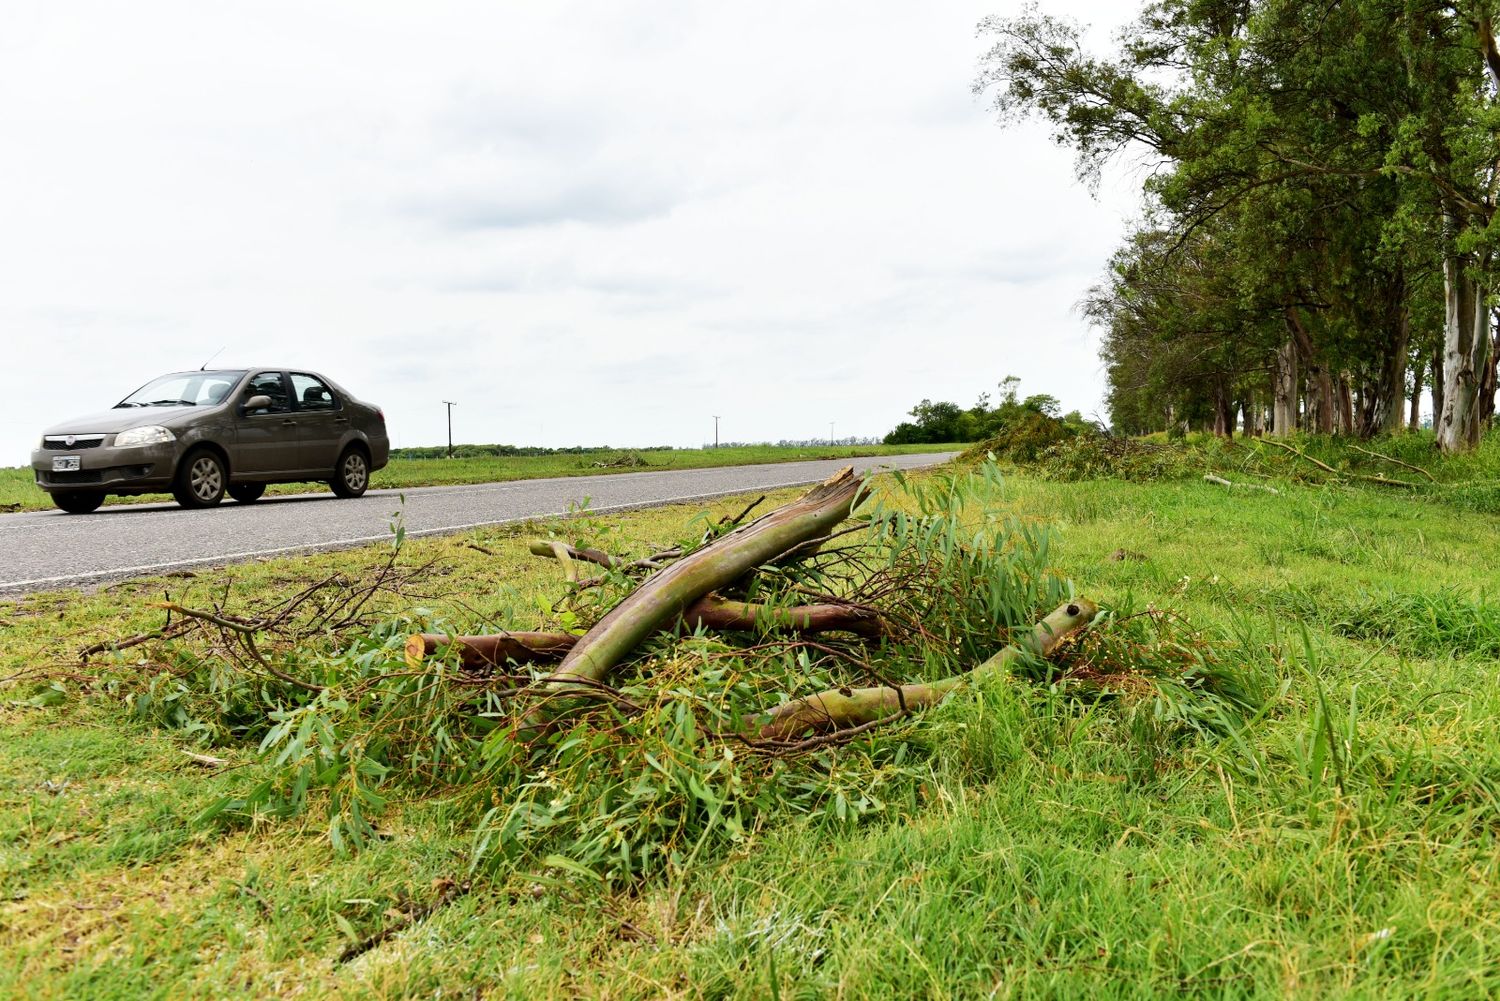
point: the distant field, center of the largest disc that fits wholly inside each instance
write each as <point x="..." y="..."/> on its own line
<point x="18" y="491"/>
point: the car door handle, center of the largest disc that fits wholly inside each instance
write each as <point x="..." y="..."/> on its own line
<point x="341" y="420"/>
<point x="288" y="423"/>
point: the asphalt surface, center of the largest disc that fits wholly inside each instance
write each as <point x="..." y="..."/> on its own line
<point x="44" y="550"/>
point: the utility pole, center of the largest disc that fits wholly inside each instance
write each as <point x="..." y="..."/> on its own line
<point x="450" y="405"/>
<point x="716" y="430"/>
<point x="830" y="432"/>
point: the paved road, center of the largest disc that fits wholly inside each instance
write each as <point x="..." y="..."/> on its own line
<point x="51" y="549"/>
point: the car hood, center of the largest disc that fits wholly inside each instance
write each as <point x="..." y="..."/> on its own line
<point x="118" y="419"/>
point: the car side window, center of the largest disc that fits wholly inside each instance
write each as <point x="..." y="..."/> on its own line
<point x="312" y="393"/>
<point x="268" y="384"/>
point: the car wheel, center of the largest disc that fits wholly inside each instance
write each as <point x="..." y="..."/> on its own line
<point x="200" y="480"/>
<point x="246" y="493"/>
<point x="351" y="477"/>
<point x="78" y="501"/>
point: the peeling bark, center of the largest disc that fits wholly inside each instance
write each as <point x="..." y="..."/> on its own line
<point x="1284" y="388"/>
<point x="1466" y="346"/>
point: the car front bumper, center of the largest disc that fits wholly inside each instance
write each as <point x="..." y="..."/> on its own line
<point x="132" y="469"/>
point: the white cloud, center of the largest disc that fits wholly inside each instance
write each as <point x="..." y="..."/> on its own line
<point x="586" y="223"/>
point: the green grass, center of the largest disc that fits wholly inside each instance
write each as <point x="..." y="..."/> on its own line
<point x="1343" y="843"/>
<point x="19" y="492"/>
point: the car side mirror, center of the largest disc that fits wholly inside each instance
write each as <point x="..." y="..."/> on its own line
<point x="261" y="402"/>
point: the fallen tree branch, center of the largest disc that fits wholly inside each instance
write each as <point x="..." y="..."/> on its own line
<point x="713" y="612"/>
<point x="113" y="646"/>
<point x="1383" y="481"/>
<point x="491" y="650"/>
<point x="246" y="632"/>
<point x="1211" y="478"/>
<point x="1399" y="462"/>
<point x="845" y="709"/>
<point x="668" y="593"/>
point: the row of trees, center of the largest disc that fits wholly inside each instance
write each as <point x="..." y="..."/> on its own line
<point x="1318" y="242"/>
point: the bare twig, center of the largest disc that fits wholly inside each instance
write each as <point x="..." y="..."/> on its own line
<point x="731" y="522"/>
<point x="1399" y="462"/>
<point x="449" y="892"/>
<point x="1383" y="481"/>
<point x="246" y="631"/>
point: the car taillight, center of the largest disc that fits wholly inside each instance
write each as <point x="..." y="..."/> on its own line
<point x="381" y="414"/>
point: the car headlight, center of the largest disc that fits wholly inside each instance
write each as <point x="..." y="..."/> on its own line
<point x="151" y="434"/>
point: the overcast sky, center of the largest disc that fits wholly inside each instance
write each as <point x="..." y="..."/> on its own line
<point x="588" y="223"/>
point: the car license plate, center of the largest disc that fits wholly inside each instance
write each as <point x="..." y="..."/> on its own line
<point x="64" y="463"/>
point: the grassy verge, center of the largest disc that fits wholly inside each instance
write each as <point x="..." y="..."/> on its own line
<point x="18" y="490"/>
<point x="1341" y="844"/>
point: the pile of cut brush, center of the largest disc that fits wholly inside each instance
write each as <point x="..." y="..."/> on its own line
<point x="682" y="699"/>
<point x="689" y="595"/>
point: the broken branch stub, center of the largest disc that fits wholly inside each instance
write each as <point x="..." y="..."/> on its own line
<point x="843" y="708"/>
<point x="713" y="612"/>
<point x="494" y="650"/>
<point x="665" y="595"/>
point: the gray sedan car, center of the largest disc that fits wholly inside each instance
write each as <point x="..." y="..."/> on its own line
<point x="203" y="434"/>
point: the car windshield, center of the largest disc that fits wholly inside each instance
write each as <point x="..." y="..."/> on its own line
<point x="184" y="389"/>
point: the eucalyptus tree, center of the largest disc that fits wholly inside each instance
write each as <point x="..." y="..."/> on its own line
<point x="1338" y="141"/>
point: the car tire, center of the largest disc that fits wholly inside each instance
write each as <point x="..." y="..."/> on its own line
<point x="78" y="501"/>
<point x="351" y="477"/>
<point x="201" y="479"/>
<point x="246" y="493"/>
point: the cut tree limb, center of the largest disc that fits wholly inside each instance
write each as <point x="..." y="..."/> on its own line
<point x="846" y="708"/>
<point x="664" y="596"/>
<point x="713" y="612"/>
<point x="1219" y="480"/>
<point x="491" y="650"/>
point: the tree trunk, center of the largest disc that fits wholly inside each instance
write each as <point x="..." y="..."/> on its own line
<point x="1385" y="408"/>
<point x="1415" y="420"/>
<point x="1284" y="389"/>
<point x="1487" y="385"/>
<point x="1343" y="422"/>
<point x="1466" y="348"/>
<point x="1435" y="368"/>
<point x="1320" y="404"/>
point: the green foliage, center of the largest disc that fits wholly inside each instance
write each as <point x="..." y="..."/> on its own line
<point x="1088" y="457"/>
<point x="1023" y="424"/>
<point x="1320" y="176"/>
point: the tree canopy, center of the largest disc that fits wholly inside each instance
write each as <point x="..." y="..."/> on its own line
<point x="1317" y="234"/>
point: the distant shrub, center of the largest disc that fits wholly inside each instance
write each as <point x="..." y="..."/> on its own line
<point x="1026" y="437"/>
<point x="1099" y="456"/>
